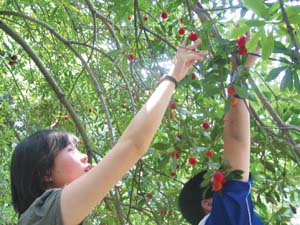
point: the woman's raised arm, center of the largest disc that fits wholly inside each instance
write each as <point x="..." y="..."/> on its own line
<point x="80" y="196"/>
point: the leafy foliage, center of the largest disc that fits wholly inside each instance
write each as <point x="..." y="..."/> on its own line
<point x="76" y="66"/>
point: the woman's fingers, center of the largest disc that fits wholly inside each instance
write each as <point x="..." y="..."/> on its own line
<point x="183" y="44"/>
<point x="197" y="55"/>
<point x="191" y="47"/>
<point x="194" y="45"/>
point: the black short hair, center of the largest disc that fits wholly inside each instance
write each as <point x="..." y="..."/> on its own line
<point x="32" y="160"/>
<point x="190" y="198"/>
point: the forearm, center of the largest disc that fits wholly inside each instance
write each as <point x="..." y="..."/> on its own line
<point x="237" y="138"/>
<point x="237" y="123"/>
<point x="142" y="128"/>
<point x="93" y="186"/>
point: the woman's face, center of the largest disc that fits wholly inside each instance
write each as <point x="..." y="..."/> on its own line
<point x="69" y="164"/>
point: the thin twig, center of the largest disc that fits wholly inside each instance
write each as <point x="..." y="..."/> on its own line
<point x="59" y="93"/>
<point x="290" y="31"/>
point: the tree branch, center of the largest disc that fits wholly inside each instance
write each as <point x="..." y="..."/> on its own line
<point x="59" y="93"/>
<point x="86" y="66"/>
<point x="274" y="115"/>
<point x="290" y="30"/>
<point x="110" y="25"/>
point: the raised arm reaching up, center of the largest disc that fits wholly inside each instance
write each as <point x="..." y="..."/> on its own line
<point x="237" y="132"/>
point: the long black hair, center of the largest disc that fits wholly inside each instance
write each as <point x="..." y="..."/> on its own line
<point x="190" y="198"/>
<point x="32" y="160"/>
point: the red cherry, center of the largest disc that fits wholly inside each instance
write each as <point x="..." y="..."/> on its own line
<point x="131" y="57"/>
<point x="172" y="174"/>
<point x="209" y="154"/>
<point x="179" y="136"/>
<point x="164" y="15"/>
<point x="163" y="212"/>
<point x="145" y="18"/>
<point x="66" y="117"/>
<point x="149" y="196"/>
<point x="181" y="31"/>
<point x="241" y="41"/>
<point x="14" y="57"/>
<point x="192" y="160"/>
<point x="243" y="50"/>
<point x="219" y="177"/>
<point x="231" y="90"/>
<point x="206" y="125"/>
<point x="11" y="63"/>
<point x="194" y="76"/>
<point x="175" y="154"/>
<point x="129" y="17"/>
<point x="217" y="186"/>
<point x="119" y="73"/>
<point x="193" y="36"/>
<point x="172" y="105"/>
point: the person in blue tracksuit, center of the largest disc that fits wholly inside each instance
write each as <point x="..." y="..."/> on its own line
<point x="202" y="206"/>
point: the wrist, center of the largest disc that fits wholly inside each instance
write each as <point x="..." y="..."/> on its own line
<point x="169" y="78"/>
<point x="174" y="72"/>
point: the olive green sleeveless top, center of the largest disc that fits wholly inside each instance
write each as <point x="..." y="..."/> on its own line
<point x="45" y="210"/>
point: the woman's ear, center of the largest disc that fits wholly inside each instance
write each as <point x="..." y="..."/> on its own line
<point x="207" y="204"/>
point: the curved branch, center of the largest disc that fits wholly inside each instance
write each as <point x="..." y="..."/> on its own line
<point x="159" y="37"/>
<point x="274" y="115"/>
<point x="95" y="36"/>
<point x="290" y="30"/>
<point x="86" y="66"/>
<point x="118" y="68"/>
<point x="106" y="21"/>
<point x="59" y="93"/>
<point x="205" y="16"/>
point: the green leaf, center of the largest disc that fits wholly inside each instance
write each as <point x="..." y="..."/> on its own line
<point x="286" y="80"/>
<point x="296" y="80"/>
<point x="161" y="146"/>
<point x="241" y="91"/>
<point x="256" y="6"/>
<point x="269" y="166"/>
<point x="293" y="14"/>
<point x="281" y="48"/>
<point x="212" y="91"/>
<point x="274" y="73"/>
<point x="235" y="174"/>
<point x="252" y="43"/>
<point x="255" y="23"/>
<point x="114" y="53"/>
<point x="293" y="208"/>
<point x="235" y="33"/>
<point x="267" y="46"/>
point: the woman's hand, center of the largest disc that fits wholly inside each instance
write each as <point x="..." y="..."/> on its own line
<point x="184" y="59"/>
